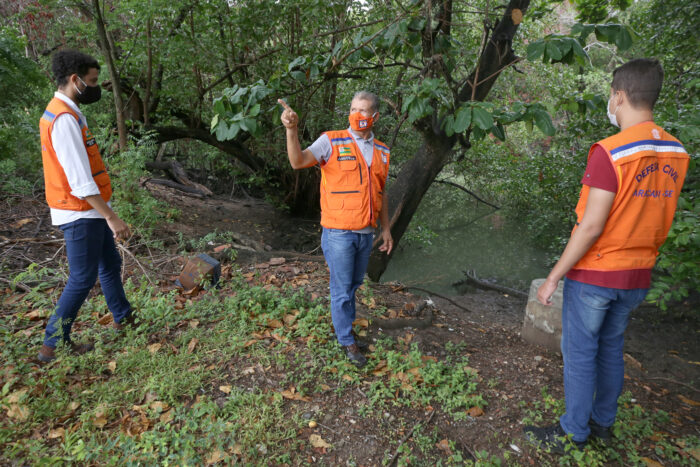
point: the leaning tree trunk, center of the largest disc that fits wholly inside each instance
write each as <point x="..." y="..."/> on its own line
<point x="406" y="193"/>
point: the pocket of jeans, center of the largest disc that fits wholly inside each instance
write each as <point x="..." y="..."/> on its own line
<point x="593" y="296"/>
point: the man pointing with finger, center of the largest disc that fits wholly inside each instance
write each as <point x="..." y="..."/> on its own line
<point x="354" y="169"/>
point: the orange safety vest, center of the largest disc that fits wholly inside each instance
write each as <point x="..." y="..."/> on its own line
<point x="351" y="192"/>
<point x="58" y="191"/>
<point x="650" y="165"/>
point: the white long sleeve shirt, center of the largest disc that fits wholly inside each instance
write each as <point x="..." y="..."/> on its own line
<point x="67" y="141"/>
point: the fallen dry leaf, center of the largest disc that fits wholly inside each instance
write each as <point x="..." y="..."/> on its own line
<point x="21" y="222"/>
<point x="651" y="462"/>
<point x="167" y="417"/>
<point x="18" y="412"/>
<point x="192" y="345"/>
<point x="215" y="457"/>
<point x="193" y="324"/>
<point x="318" y="442"/>
<point x="225" y="389"/>
<point x="105" y="320"/>
<point x="444" y="446"/>
<point x="17" y="395"/>
<point x="292" y="394"/>
<point x="112" y="366"/>
<point x="362" y="322"/>
<point x="688" y="401"/>
<point x="475" y="412"/>
<point x="274" y="323"/>
<point x="153" y="348"/>
<point x="57" y="433"/>
<point x="34" y="315"/>
<point x="159" y="406"/>
<point x="277" y="261"/>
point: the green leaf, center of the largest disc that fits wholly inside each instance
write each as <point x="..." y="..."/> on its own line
<point x="233" y="131"/>
<point x="296" y="62"/>
<point x="221" y="131"/>
<point x="463" y="119"/>
<point x="214" y="122"/>
<point x="482" y="118"/>
<point x="299" y="76"/>
<point x="553" y="51"/>
<point x="623" y="39"/>
<point x="544" y="122"/>
<point x="448" y="125"/>
<point x="535" y="50"/>
<point x="498" y="131"/>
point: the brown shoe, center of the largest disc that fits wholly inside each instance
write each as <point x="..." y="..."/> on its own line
<point x="46" y="354"/>
<point x="362" y="344"/>
<point x="126" y="322"/>
<point x="355" y="356"/>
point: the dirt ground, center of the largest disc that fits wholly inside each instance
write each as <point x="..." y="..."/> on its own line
<point x="662" y="350"/>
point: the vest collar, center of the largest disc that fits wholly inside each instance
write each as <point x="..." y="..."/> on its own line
<point x="67" y="100"/>
<point x="356" y="136"/>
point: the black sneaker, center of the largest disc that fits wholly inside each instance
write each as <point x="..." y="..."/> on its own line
<point x="552" y="438"/>
<point x="602" y="433"/>
<point x="355" y="356"/>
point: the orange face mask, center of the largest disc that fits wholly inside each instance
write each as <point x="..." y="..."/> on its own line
<point x="359" y="122"/>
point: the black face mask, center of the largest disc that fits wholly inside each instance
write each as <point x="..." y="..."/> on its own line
<point x="88" y="95"/>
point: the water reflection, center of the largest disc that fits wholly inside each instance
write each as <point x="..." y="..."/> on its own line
<point x="495" y="247"/>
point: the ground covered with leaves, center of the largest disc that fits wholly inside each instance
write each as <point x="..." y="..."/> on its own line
<point x="250" y="373"/>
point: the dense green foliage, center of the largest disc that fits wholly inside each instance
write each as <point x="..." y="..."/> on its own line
<point x="201" y="82"/>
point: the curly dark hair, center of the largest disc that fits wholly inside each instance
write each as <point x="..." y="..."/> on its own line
<point x="66" y="62"/>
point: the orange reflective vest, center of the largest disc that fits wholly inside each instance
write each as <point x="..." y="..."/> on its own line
<point x="650" y="165"/>
<point x="58" y="191"/>
<point x="351" y="192"/>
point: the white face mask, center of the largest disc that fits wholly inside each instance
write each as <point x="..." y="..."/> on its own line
<point x="611" y="115"/>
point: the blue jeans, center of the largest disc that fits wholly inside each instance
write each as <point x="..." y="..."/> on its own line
<point x="91" y="252"/>
<point x="347" y="255"/>
<point x="593" y="326"/>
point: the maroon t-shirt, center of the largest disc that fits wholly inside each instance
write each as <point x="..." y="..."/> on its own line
<point x="600" y="173"/>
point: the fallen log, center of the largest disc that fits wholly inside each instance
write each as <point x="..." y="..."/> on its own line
<point x="471" y="278"/>
<point x="178" y="186"/>
<point x="176" y="172"/>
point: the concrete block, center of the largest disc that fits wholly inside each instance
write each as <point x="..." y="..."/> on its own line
<point x="542" y="324"/>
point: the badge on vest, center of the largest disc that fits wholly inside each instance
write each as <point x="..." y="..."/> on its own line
<point x="384" y="157"/>
<point x="346" y="158"/>
<point x="345" y="151"/>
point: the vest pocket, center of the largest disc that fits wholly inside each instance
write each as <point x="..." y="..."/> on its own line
<point x="101" y="178"/>
<point x="347" y="164"/>
<point x="342" y="200"/>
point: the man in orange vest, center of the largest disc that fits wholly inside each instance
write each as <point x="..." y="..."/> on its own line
<point x="625" y="210"/>
<point x="78" y="191"/>
<point x="354" y="168"/>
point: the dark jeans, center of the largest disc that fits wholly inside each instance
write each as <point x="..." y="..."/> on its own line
<point x="91" y="252"/>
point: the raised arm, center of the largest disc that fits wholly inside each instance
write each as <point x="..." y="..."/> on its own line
<point x="297" y="158"/>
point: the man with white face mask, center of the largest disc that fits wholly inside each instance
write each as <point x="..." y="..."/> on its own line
<point x="625" y="210"/>
<point x="354" y="168"/>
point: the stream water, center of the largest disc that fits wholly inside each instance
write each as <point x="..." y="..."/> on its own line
<point x="480" y="239"/>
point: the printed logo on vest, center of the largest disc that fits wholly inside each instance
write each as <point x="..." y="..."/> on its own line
<point x="345" y="151"/>
<point x="384" y="157"/>
<point x="346" y="158"/>
<point x="655" y="134"/>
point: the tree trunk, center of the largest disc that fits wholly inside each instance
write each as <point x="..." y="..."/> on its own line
<point x="108" y="52"/>
<point x="406" y="193"/>
<point x="416" y="176"/>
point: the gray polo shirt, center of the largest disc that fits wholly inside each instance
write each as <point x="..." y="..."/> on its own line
<point x="322" y="151"/>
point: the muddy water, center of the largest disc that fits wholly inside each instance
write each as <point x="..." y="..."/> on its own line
<point x="476" y="238"/>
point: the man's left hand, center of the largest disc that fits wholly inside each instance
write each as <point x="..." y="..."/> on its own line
<point x="388" y="241"/>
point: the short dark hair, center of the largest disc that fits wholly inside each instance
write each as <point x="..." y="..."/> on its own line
<point x="641" y="79"/>
<point x="66" y="62"/>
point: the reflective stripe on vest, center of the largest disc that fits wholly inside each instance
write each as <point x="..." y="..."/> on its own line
<point x="351" y="192"/>
<point x="650" y="165"/>
<point x="58" y="191"/>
